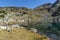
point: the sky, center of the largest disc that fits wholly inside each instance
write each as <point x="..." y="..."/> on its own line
<point x="24" y="3"/>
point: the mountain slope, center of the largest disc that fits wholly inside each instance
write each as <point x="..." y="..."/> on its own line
<point x="20" y="34"/>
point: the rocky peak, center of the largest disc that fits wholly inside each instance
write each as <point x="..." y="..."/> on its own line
<point x="55" y="8"/>
<point x="56" y="4"/>
<point x="44" y="6"/>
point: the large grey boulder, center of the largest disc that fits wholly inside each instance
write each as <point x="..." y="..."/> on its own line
<point x="33" y="30"/>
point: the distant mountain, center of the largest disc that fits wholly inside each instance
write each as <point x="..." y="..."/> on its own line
<point x="14" y="7"/>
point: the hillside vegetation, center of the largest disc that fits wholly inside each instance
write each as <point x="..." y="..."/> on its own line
<point x="20" y="34"/>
